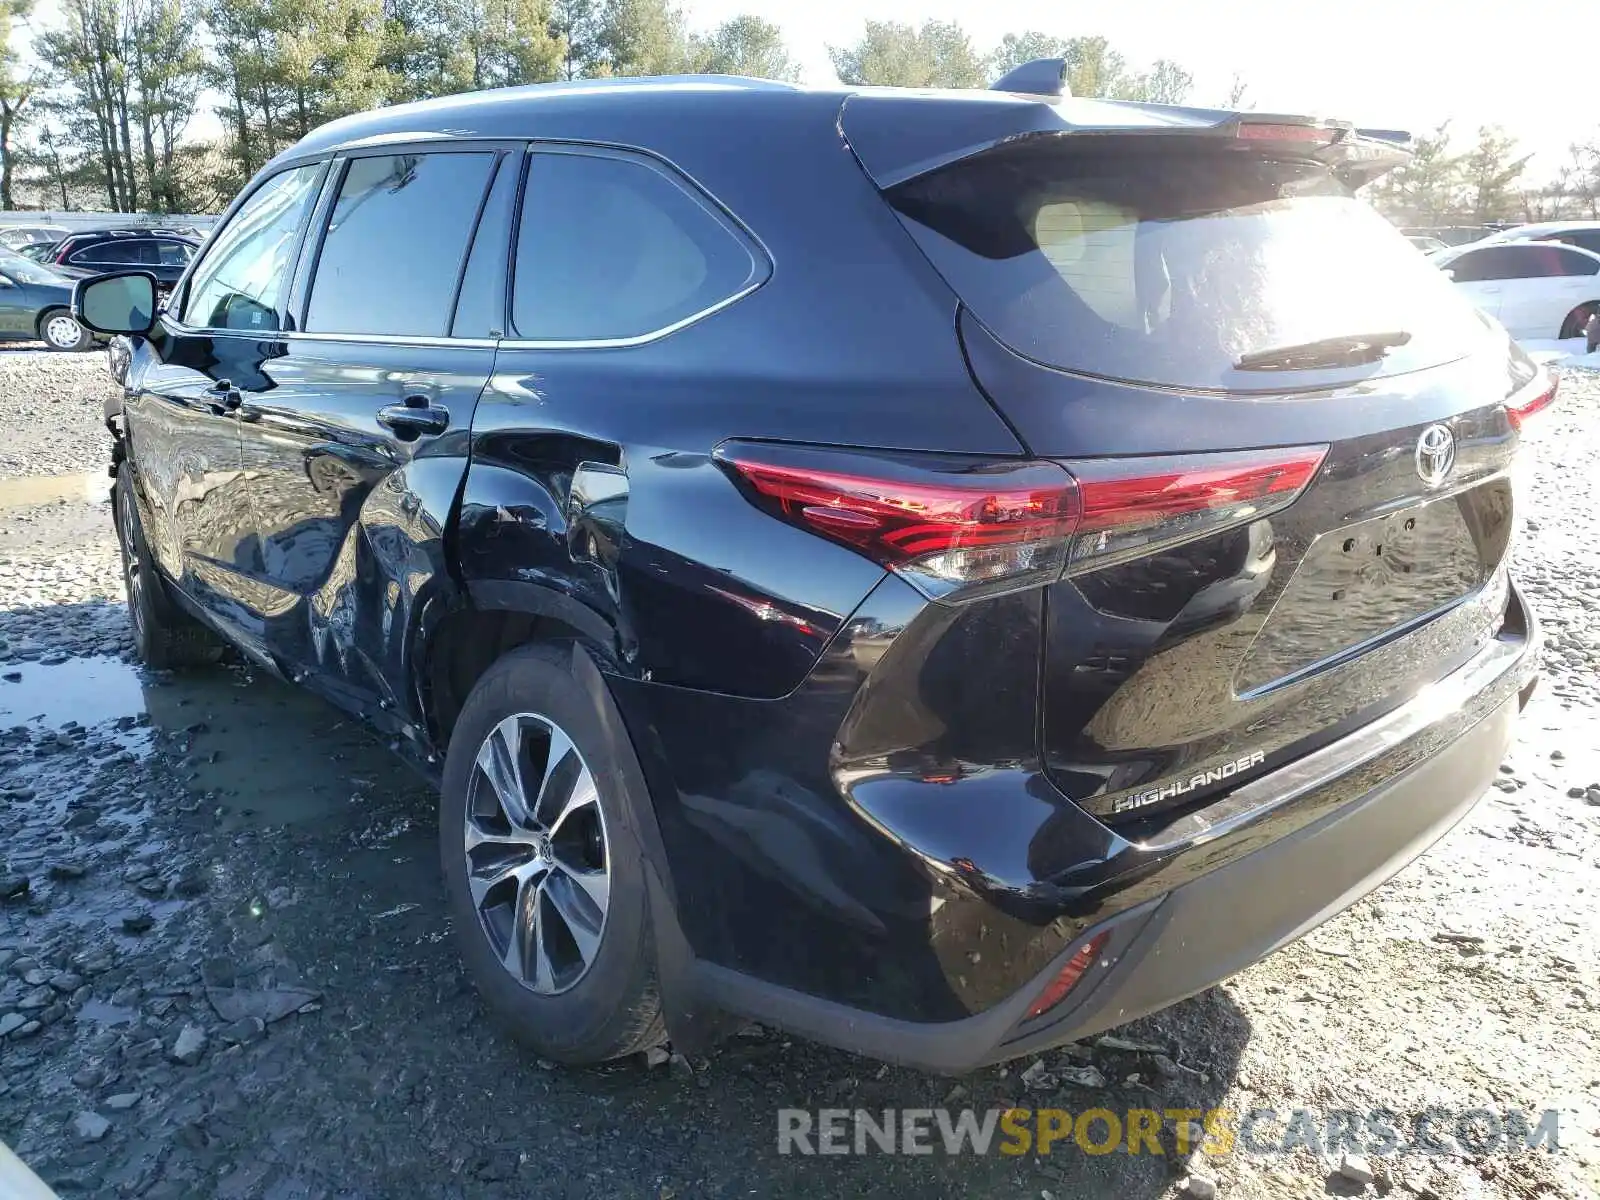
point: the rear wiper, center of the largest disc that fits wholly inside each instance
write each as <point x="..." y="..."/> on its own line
<point x="1347" y="350"/>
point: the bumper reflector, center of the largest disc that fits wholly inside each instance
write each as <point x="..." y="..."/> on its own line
<point x="1056" y="991"/>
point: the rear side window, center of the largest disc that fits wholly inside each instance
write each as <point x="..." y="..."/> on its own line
<point x="395" y="244"/>
<point x="610" y="248"/>
<point x="1523" y="260"/>
<point x="240" y="281"/>
<point x="1166" y="266"/>
<point x="1584" y="239"/>
<point x="1568" y="263"/>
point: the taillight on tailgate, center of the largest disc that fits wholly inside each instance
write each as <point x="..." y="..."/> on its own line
<point x="1132" y="506"/>
<point x="959" y="527"/>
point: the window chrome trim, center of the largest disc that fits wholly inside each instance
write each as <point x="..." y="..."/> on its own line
<point x="642" y="339"/>
<point x="638" y="339"/>
<point x="399" y="339"/>
<point x="762" y="264"/>
<point x="365" y="339"/>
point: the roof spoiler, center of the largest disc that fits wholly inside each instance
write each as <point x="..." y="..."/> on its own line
<point x="1397" y="137"/>
<point x="1042" y="77"/>
<point x="1370" y="153"/>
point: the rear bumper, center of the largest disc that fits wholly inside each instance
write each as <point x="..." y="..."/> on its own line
<point x="1218" y="891"/>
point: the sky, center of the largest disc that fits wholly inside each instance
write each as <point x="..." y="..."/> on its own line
<point x="1396" y="64"/>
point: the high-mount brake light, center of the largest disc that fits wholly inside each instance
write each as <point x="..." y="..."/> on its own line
<point x="1261" y="131"/>
<point x="959" y="527"/>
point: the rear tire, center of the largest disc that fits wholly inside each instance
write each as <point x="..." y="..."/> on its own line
<point x="1577" y="322"/>
<point x="1591" y="334"/>
<point x="164" y="636"/>
<point x="60" y="330"/>
<point x="543" y="873"/>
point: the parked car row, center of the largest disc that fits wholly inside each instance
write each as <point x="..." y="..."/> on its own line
<point x="16" y="237"/>
<point x="1539" y="281"/>
<point x="36" y="305"/>
<point x="164" y="254"/>
<point x="36" y="275"/>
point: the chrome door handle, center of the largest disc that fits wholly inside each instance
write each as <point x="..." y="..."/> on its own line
<point x="224" y="397"/>
<point x="411" y="421"/>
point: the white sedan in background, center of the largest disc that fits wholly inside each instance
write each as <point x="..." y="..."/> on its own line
<point x="1535" y="289"/>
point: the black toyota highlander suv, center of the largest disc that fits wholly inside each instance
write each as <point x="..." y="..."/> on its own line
<point x="940" y="572"/>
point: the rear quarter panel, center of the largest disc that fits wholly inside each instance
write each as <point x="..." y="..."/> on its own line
<point x="851" y="340"/>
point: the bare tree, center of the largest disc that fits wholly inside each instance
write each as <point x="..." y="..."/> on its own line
<point x="16" y="89"/>
<point x="1236" y="94"/>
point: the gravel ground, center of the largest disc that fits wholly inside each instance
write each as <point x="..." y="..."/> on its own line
<point x="50" y="407"/>
<point x="227" y="975"/>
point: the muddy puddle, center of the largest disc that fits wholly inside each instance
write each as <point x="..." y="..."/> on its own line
<point x="263" y="752"/>
<point x="33" y="490"/>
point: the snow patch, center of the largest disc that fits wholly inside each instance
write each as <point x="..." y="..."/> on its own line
<point x="1567" y="352"/>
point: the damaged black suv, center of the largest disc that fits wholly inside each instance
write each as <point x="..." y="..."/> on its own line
<point x="940" y="572"/>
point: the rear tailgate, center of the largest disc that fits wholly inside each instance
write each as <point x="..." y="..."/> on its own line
<point x="1125" y="296"/>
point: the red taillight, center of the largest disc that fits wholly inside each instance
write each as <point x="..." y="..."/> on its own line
<point x="953" y="524"/>
<point x="1056" y="991"/>
<point x="1534" y="399"/>
<point x="1133" y="506"/>
<point x="948" y="522"/>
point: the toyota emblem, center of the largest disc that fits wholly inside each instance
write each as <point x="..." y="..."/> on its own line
<point x="1436" y="454"/>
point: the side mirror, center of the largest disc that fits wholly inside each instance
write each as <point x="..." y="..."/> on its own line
<point x="122" y="302"/>
<point x="1449" y="273"/>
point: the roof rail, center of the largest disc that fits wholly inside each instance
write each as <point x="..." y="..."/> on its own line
<point x="1041" y="77"/>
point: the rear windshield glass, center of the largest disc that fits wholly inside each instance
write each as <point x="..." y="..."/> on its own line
<point x="1166" y="267"/>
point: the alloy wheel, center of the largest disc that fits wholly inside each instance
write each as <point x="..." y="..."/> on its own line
<point x="132" y="576"/>
<point x="537" y="860"/>
<point x="62" y="331"/>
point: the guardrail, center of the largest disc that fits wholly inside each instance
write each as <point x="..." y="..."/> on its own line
<point x="105" y="220"/>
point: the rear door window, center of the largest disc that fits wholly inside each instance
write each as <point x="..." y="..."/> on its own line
<point x="107" y="252"/>
<point x="1166" y="266"/>
<point x="395" y="244"/>
<point x="612" y="248"/>
<point x="481" y="307"/>
<point x="1479" y="266"/>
